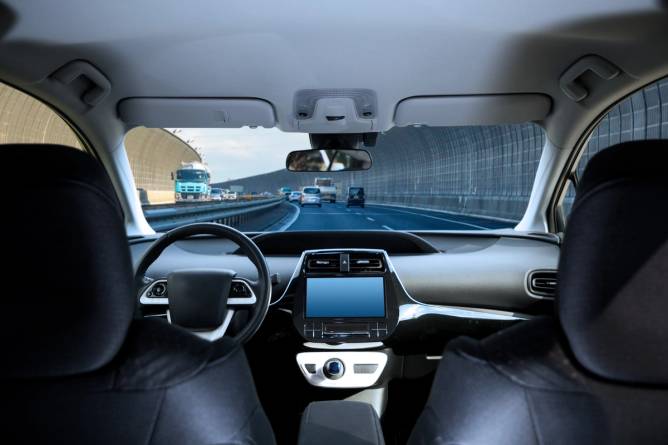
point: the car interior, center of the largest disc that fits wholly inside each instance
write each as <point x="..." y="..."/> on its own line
<point x="477" y="255"/>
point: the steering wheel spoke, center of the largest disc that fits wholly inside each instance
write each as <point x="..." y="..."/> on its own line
<point x="242" y="293"/>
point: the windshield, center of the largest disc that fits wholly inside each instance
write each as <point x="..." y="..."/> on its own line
<point x="421" y="178"/>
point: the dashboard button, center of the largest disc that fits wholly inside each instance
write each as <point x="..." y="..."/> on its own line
<point x="310" y="368"/>
<point x="364" y="368"/>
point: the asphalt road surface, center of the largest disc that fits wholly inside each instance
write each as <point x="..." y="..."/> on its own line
<point x="377" y="217"/>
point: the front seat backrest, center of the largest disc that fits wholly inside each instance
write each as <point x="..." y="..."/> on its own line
<point x="78" y="368"/>
<point x="613" y="295"/>
<point x="599" y="372"/>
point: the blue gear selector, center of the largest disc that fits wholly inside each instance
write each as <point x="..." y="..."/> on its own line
<point x="334" y="369"/>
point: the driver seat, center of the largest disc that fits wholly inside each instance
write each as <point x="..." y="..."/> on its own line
<point x="77" y="367"/>
<point x="599" y="373"/>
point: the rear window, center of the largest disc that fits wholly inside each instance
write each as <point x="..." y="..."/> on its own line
<point x="311" y="190"/>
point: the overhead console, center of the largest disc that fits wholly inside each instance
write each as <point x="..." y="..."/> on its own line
<point x="346" y="296"/>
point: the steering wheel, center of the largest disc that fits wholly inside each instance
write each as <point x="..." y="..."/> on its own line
<point x="199" y="299"/>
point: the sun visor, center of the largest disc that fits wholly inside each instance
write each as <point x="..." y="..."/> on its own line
<point x="196" y="113"/>
<point x="450" y="111"/>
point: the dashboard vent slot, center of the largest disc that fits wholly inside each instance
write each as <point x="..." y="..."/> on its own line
<point x="366" y="264"/>
<point x="323" y="264"/>
<point x="543" y="283"/>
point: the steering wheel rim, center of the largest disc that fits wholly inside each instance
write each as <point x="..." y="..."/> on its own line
<point x="261" y="287"/>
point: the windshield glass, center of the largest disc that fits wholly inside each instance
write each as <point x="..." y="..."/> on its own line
<point x="421" y="178"/>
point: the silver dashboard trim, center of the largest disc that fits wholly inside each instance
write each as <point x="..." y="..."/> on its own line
<point x="344" y="346"/>
<point x="214" y="334"/>
<point x="146" y="300"/>
<point x="350" y="378"/>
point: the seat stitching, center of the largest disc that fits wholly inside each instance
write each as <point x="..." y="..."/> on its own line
<point x="156" y="417"/>
<point x="534" y="425"/>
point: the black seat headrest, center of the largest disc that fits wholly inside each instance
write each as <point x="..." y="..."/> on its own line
<point x="68" y="297"/>
<point x="612" y="294"/>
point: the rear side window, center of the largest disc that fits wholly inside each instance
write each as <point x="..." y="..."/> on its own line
<point x="643" y="115"/>
<point x="26" y="120"/>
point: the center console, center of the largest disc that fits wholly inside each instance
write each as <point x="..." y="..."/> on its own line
<point x="345" y="296"/>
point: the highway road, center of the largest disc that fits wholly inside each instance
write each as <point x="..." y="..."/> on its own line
<point x="380" y="217"/>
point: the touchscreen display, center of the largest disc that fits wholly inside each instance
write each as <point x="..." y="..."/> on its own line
<point x="358" y="297"/>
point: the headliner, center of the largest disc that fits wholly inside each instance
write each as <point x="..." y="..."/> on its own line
<point x="269" y="50"/>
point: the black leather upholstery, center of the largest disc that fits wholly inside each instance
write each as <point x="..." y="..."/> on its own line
<point x="77" y="368"/>
<point x="598" y="373"/>
<point x="613" y="295"/>
<point x="66" y="262"/>
<point x="336" y="422"/>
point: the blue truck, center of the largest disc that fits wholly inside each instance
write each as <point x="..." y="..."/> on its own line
<point x="192" y="182"/>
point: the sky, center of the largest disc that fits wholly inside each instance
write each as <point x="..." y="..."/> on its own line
<point x="233" y="153"/>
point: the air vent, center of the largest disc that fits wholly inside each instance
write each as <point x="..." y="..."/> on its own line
<point x="366" y="264"/>
<point x="543" y="283"/>
<point x="323" y="264"/>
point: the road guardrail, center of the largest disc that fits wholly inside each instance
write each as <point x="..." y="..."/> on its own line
<point x="167" y="218"/>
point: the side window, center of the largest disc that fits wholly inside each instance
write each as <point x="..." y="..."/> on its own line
<point x="643" y="115"/>
<point x="24" y="119"/>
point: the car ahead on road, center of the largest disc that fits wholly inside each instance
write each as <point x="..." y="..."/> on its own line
<point x="310" y="196"/>
<point x="216" y="194"/>
<point x="295" y="196"/>
<point x="355" y="196"/>
<point x="285" y="192"/>
<point x="230" y="196"/>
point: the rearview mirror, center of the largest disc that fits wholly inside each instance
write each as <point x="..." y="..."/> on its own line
<point x="328" y="160"/>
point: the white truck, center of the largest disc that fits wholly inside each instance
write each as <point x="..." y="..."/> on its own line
<point x="327" y="189"/>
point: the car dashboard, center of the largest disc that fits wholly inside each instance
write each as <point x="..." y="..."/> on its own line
<point x="408" y="291"/>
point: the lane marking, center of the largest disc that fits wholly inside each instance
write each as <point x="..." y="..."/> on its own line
<point x="370" y="219"/>
<point x="359" y="214"/>
<point x="387" y="227"/>
<point x="292" y="220"/>
<point x="439" y="218"/>
<point x="327" y="213"/>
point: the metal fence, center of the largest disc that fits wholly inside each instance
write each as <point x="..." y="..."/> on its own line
<point x="232" y="214"/>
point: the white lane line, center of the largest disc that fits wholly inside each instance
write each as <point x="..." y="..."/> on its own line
<point x="356" y="213"/>
<point x="370" y="219"/>
<point x="323" y="213"/>
<point x="439" y="218"/>
<point x="387" y="227"/>
<point x="291" y="221"/>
